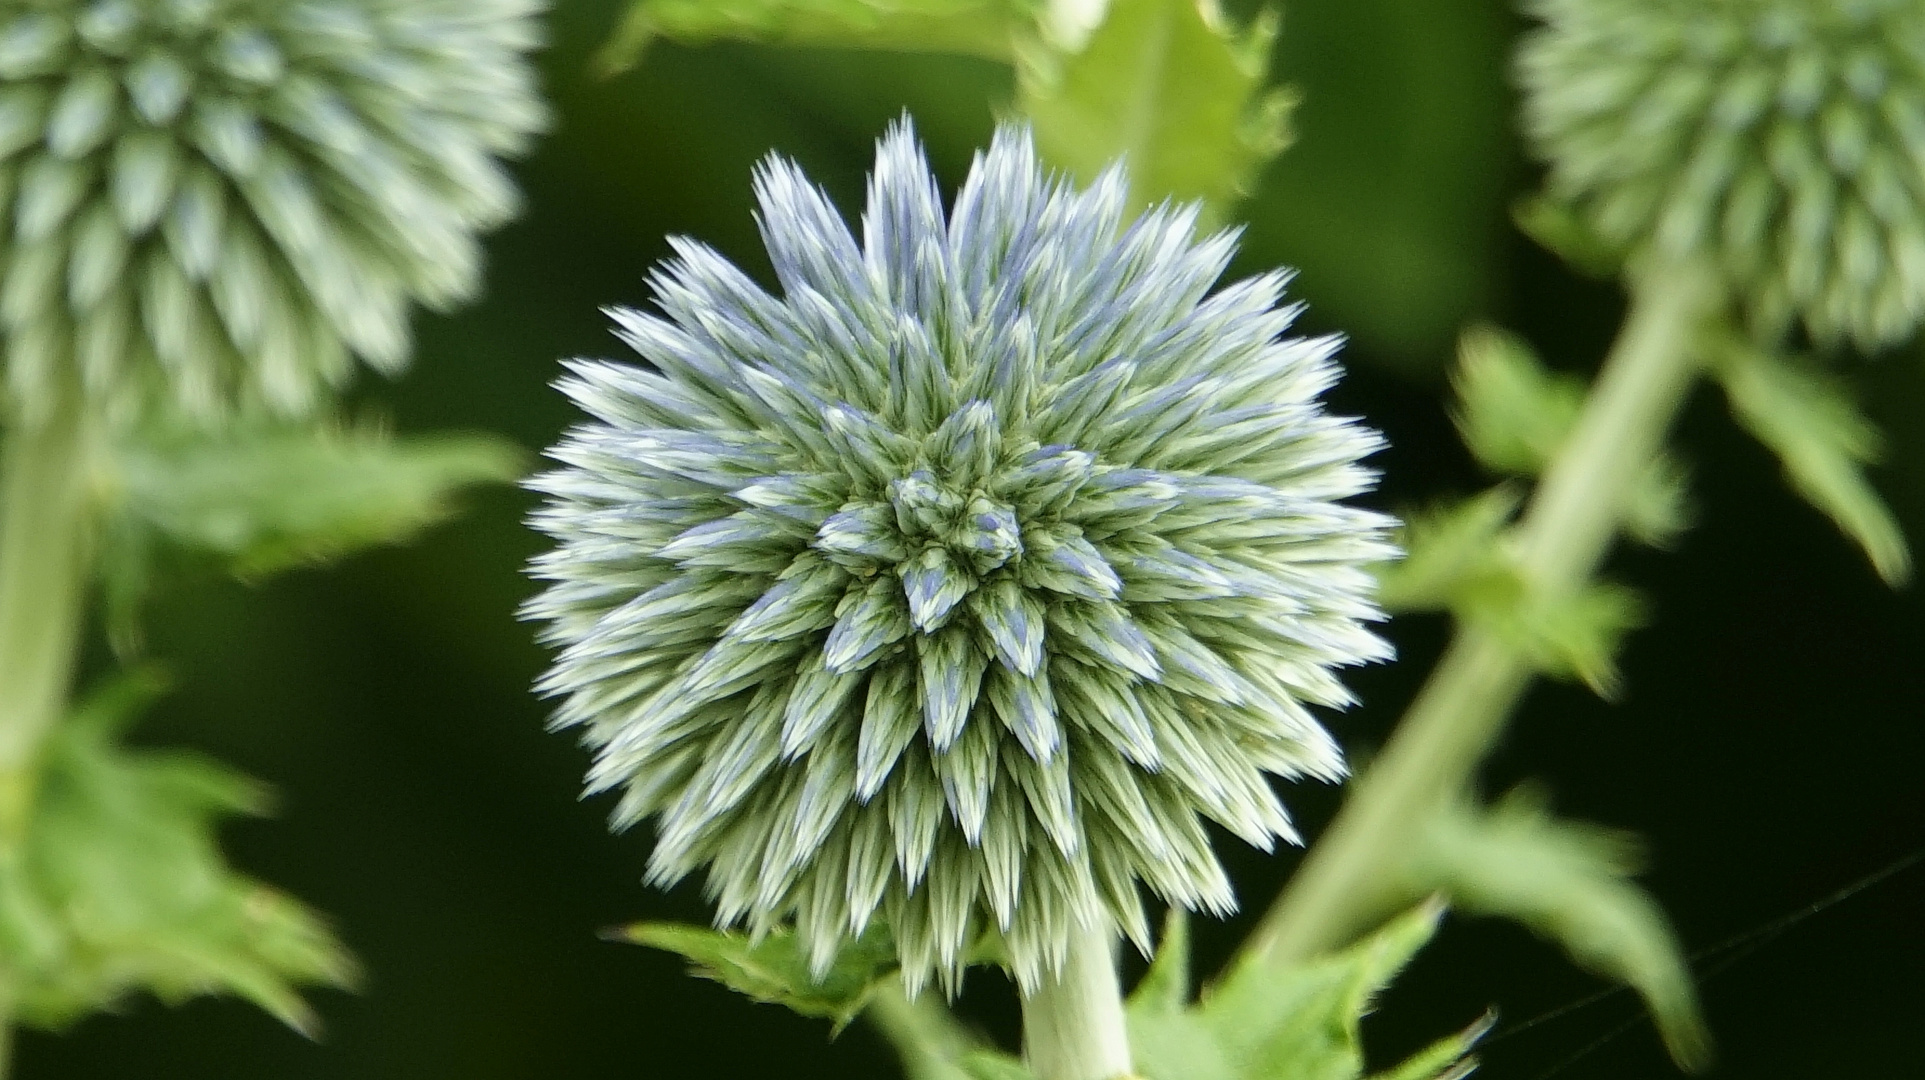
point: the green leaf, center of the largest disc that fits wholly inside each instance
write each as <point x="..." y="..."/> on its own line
<point x="1823" y="441"/>
<point x="1569" y="882"/>
<point x="1514" y="414"/>
<point x="776" y="969"/>
<point x="1571" y="636"/>
<point x="120" y="886"/>
<point x="986" y="28"/>
<point x="268" y="499"/>
<point x="1559" y="230"/>
<point x="1171" y="86"/>
<point x="1258" y="1023"/>
<point x="1448" y="550"/>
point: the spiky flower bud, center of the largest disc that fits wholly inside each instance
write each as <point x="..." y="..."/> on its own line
<point x="1784" y="140"/>
<point x="963" y="581"/>
<point x="222" y="201"/>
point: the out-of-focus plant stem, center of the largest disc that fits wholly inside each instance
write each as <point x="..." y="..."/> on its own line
<point x="1344" y="882"/>
<point x="46" y="496"/>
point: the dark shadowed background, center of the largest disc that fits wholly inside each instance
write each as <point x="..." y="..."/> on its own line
<point x="1769" y="744"/>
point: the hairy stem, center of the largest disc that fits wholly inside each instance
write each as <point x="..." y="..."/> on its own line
<point x="45" y="533"/>
<point x="1073" y="1025"/>
<point x="1565" y="533"/>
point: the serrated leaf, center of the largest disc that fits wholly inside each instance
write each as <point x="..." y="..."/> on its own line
<point x="120" y="887"/>
<point x="987" y="28"/>
<point x="1823" y="441"/>
<point x="1512" y="411"/>
<point x="1514" y="414"/>
<point x="1171" y="87"/>
<point x="1560" y="231"/>
<point x="776" y="969"/>
<point x="1259" y="1023"/>
<point x="1569" y="882"/>
<point x="267" y="499"/>
<point x="1574" y="636"/>
<point x="1447" y="549"/>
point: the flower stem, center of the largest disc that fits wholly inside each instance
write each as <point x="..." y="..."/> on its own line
<point x="45" y="547"/>
<point x="1343" y="885"/>
<point x="45" y="534"/>
<point x="1073" y="1026"/>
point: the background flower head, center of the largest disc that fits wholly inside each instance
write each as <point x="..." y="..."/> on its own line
<point x="224" y="201"/>
<point x="1782" y="139"/>
<point x="963" y="581"/>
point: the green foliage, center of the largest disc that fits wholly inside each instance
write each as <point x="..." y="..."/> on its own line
<point x="777" y="968"/>
<point x="1824" y="443"/>
<point x="1172" y="88"/>
<point x="987" y="28"/>
<point x="1563" y="232"/>
<point x="1457" y="559"/>
<point x="120" y="887"/>
<point x="1567" y="881"/>
<point x="1448" y="550"/>
<point x="1259" y="1024"/>
<point x="264" y="499"/>
<point x="1514" y="414"/>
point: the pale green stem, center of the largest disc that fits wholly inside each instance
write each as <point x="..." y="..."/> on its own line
<point x="45" y="543"/>
<point x="1073" y="1027"/>
<point x="1565" y="533"/>
<point x="45" y="546"/>
<point x="928" y="1038"/>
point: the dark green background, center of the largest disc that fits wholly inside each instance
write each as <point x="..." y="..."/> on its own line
<point x="1769" y="744"/>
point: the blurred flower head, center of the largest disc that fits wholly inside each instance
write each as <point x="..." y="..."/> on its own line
<point x="221" y="202"/>
<point x="1782" y="139"/>
<point x="963" y="581"/>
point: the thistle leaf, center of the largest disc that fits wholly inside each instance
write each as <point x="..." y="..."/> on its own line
<point x="266" y="500"/>
<point x="138" y="827"/>
<point x="1824" y="443"/>
<point x="1257" y="1023"/>
<point x="1447" y="550"/>
<point x="776" y="969"/>
<point x="986" y="28"/>
<point x="1514" y="414"/>
<point x="1173" y="89"/>
<point x="1575" y="636"/>
<point x="1568" y="882"/>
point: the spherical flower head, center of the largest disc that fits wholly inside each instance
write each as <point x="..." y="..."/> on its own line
<point x="962" y="582"/>
<point x="217" y="203"/>
<point x="1783" y="141"/>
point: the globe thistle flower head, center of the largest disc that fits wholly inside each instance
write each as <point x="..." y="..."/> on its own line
<point x="1781" y="140"/>
<point x="220" y="202"/>
<point x="959" y="584"/>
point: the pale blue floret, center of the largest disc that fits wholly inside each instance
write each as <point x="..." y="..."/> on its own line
<point x="961" y="581"/>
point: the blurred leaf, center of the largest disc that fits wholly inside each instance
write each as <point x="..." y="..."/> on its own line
<point x="986" y="28"/>
<point x="1568" y="882"/>
<point x="1258" y="1023"/>
<point x="269" y="499"/>
<point x="1173" y="88"/>
<point x="1560" y="231"/>
<point x="1446" y="550"/>
<point x="1574" y="636"/>
<point x="994" y="1065"/>
<point x="1514" y="414"/>
<point x="776" y="969"/>
<point x="120" y="886"/>
<point x="1823" y="441"/>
